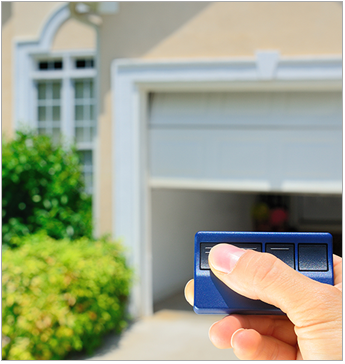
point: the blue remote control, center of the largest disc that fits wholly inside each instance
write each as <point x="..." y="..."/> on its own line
<point x="308" y="253"/>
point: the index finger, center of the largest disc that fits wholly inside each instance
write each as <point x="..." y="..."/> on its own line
<point x="189" y="292"/>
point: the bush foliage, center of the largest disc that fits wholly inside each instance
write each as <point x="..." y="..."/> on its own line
<point x="59" y="296"/>
<point x="42" y="189"/>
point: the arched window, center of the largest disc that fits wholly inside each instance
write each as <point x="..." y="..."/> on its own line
<point x="55" y="91"/>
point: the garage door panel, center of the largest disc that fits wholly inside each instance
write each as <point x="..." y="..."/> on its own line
<point x="301" y="151"/>
<point x="177" y="153"/>
<point x="313" y="155"/>
<point x="242" y="157"/>
<point x="240" y="109"/>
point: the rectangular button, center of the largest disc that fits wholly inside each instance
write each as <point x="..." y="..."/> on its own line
<point x="312" y="257"/>
<point x="206" y="247"/>
<point x="285" y="252"/>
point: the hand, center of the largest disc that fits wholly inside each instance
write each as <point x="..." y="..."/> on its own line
<point x="312" y="327"/>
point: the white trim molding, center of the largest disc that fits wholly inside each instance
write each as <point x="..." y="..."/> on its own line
<point x="131" y="82"/>
<point x="24" y="50"/>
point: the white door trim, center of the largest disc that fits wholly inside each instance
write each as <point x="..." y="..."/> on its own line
<point x="131" y="82"/>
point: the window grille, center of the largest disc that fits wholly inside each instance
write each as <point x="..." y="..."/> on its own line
<point x="53" y="103"/>
<point x="84" y="63"/>
<point x="50" y="65"/>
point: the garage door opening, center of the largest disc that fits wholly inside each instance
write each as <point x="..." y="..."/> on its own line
<point x="177" y="214"/>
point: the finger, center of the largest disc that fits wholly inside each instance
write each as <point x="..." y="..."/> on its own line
<point x="280" y="328"/>
<point x="265" y="277"/>
<point x="338" y="270"/>
<point x="250" y="345"/>
<point x="189" y="292"/>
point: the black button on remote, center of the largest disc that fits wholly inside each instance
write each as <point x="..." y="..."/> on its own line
<point x="312" y="257"/>
<point x="285" y="252"/>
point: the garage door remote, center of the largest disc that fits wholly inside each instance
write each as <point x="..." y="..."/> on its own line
<point x="308" y="253"/>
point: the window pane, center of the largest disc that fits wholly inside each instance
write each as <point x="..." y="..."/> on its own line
<point x="86" y="161"/>
<point x="91" y="89"/>
<point x="87" y="89"/>
<point x="79" y="87"/>
<point x="86" y="112"/>
<point x="41" y="91"/>
<point x="42" y="113"/>
<point x="58" y="65"/>
<point x="56" y="135"/>
<point x="87" y="157"/>
<point x="79" y="134"/>
<point x="92" y="113"/>
<point x="56" y="113"/>
<point x="79" y="112"/>
<point x="88" y="182"/>
<point x="56" y="90"/>
<point x="90" y="134"/>
<point x="84" y="63"/>
<point x="87" y="137"/>
<point x="80" y="63"/>
<point x="43" y="65"/>
<point x="93" y="133"/>
<point x="41" y="130"/>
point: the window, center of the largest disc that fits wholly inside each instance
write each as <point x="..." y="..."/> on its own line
<point x="65" y="105"/>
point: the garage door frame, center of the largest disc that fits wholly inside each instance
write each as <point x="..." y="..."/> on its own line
<point x="132" y="81"/>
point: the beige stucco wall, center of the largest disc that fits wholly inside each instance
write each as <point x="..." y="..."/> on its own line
<point x="29" y="17"/>
<point x="156" y="30"/>
<point x="229" y="29"/>
<point x="83" y="36"/>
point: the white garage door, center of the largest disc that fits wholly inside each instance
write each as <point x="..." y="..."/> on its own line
<point x="254" y="141"/>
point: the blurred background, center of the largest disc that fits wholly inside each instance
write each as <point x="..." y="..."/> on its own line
<point x="185" y="116"/>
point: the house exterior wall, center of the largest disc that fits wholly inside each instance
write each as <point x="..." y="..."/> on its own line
<point x="172" y="30"/>
<point x="30" y="17"/>
<point x="175" y="30"/>
<point x="84" y="37"/>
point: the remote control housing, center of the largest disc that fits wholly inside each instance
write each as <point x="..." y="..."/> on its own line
<point x="308" y="253"/>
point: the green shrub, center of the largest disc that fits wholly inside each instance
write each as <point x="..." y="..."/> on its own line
<point x="59" y="296"/>
<point x="42" y="189"/>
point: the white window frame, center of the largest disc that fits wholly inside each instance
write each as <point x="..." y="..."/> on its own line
<point x="27" y="56"/>
<point x="26" y="73"/>
<point x="68" y="75"/>
<point x="133" y="80"/>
